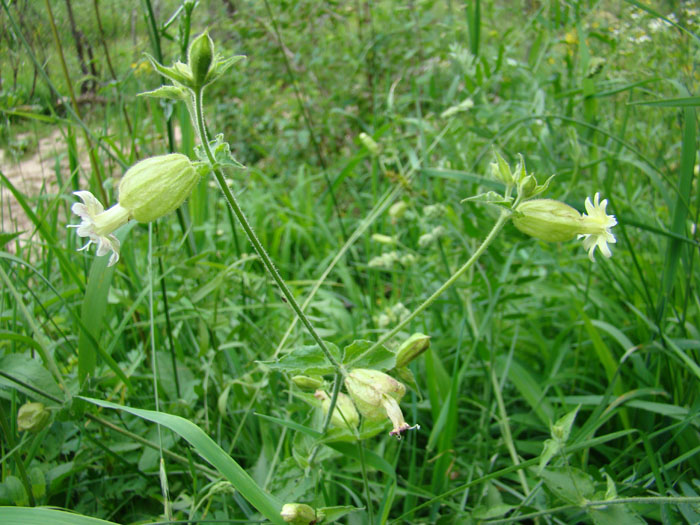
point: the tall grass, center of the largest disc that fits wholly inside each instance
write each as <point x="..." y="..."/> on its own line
<point x="185" y="330"/>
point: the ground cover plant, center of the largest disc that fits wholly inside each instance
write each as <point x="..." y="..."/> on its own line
<point x="353" y="262"/>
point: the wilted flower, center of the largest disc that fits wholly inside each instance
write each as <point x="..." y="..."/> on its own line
<point x="150" y="189"/>
<point x="376" y="396"/>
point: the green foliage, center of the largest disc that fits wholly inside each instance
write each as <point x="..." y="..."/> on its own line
<point x="554" y="389"/>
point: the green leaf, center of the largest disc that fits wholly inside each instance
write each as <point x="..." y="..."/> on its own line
<point x="371" y="459"/>
<point x="682" y="102"/>
<point x="213" y="453"/>
<point x="306" y="359"/>
<point x="332" y="514"/>
<point x="31" y="372"/>
<point x="568" y="484"/>
<point x="42" y="516"/>
<point x="490" y="197"/>
<point x="7" y="237"/>
<point x="615" y="515"/>
<point x="379" y="359"/>
<point x="169" y="92"/>
<point x="490" y="512"/>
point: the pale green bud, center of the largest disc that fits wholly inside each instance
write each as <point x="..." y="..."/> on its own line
<point x="298" y="514"/>
<point x="157" y="186"/>
<point x="383" y="239"/>
<point x="308" y="383"/>
<point x="411" y="348"/>
<point x="344" y="414"/>
<point x="200" y="57"/>
<point x="500" y="170"/>
<point x="398" y="209"/>
<point x="32" y="417"/>
<point x="548" y="220"/>
<point x="369" y="143"/>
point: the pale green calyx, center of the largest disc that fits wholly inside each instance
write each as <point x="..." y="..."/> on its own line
<point x="554" y="221"/>
<point x="298" y="513"/>
<point x="376" y="396"/>
<point x="32" y="417"/>
<point x="149" y="190"/>
<point x="344" y="414"/>
<point x="547" y="219"/>
<point x="308" y="383"/>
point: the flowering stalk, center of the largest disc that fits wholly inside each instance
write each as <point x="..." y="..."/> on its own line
<point x="267" y="261"/>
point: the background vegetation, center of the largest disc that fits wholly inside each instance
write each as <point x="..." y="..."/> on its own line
<point x="600" y="93"/>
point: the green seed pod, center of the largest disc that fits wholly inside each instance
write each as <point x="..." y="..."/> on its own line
<point x="157" y="186"/>
<point x="200" y="57"/>
<point x="548" y="220"/>
<point x="32" y="417"/>
<point x="398" y="209"/>
<point x="298" y="514"/>
<point x="411" y="348"/>
<point x="308" y="383"/>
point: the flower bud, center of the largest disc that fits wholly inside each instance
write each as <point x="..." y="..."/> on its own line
<point x="548" y="220"/>
<point x="298" y="513"/>
<point x="376" y="395"/>
<point x="308" y="383"/>
<point x="369" y="143"/>
<point x="383" y="239"/>
<point x="411" y="348"/>
<point x="398" y="209"/>
<point x="344" y="414"/>
<point x="32" y="417"/>
<point x="199" y="58"/>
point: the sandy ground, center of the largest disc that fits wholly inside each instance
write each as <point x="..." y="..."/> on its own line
<point x="35" y="177"/>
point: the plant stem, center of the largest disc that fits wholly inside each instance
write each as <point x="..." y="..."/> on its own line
<point x="266" y="260"/>
<point x="505" y="215"/>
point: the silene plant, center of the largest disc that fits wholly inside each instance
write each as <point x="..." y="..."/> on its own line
<point x="373" y="375"/>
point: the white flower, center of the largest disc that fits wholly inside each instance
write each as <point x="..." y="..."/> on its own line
<point x="149" y="190"/>
<point x="98" y="225"/>
<point x="596" y="226"/>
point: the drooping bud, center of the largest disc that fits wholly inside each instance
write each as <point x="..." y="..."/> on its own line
<point x="308" y="383"/>
<point x="411" y="348"/>
<point x="376" y="396"/>
<point x="344" y="414"/>
<point x="200" y="57"/>
<point x="298" y="513"/>
<point x="548" y="220"/>
<point x="32" y="417"/>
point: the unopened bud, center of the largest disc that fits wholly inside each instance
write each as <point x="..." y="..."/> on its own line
<point x="344" y="414"/>
<point x="308" y="383"/>
<point x="369" y="143"/>
<point x="383" y="239"/>
<point x="200" y="57"/>
<point x="398" y="209"/>
<point x="32" y="417"/>
<point x="411" y="348"/>
<point x="298" y="513"/>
